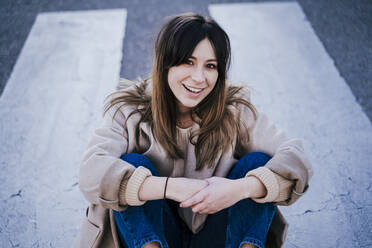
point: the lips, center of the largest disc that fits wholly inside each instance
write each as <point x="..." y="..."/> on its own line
<point x="192" y="89"/>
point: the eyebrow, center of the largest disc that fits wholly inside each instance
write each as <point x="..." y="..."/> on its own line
<point x="208" y="60"/>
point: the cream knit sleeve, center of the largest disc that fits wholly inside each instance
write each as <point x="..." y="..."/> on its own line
<point x="286" y="175"/>
<point x="278" y="188"/>
<point x="104" y="177"/>
<point x="129" y="188"/>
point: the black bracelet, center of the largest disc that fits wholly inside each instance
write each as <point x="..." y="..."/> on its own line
<point x="165" y="188"/>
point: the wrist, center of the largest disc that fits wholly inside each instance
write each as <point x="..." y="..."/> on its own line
<point x="242" y="188"/>
<point x="250" y="187"/>
<point x="152" y="188"/>
<point x="173" y="188"/>
<point x="165" y="188"/>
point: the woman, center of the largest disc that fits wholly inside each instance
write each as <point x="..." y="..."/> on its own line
<point x="185" y="160"/>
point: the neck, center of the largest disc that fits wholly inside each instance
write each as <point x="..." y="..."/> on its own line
<point x="184" y="111"/>
<point x="184" y="119"/>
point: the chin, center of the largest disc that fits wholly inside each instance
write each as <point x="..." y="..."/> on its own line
<point x="190" y="105"/>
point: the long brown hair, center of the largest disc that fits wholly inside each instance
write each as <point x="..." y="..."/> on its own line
<point x="219" y="127"/>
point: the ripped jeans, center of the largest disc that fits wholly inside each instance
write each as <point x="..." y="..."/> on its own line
<point x="158" y="220"/>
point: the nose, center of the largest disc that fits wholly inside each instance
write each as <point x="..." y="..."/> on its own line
<point x="198" y="75"/>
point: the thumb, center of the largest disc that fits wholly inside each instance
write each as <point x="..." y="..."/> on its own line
<point x="212" y="179"/>
<point x="198" y="197"/>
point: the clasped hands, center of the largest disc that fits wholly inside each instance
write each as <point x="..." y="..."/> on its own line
<point x="206" y="196"/>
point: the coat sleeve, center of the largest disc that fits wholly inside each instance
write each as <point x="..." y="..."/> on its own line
<point x="286" y="175"/>
<point x="103" y="176"/>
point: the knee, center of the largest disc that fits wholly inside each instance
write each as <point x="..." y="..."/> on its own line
<point x="137" y="160"/>
<point x="247" y="163"/>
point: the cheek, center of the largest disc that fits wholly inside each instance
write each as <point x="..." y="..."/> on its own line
<point x="170" y="76"/>
<point x="172" y="80"/>
<point x="212" y="78"/>
<point x="176" y="74"/>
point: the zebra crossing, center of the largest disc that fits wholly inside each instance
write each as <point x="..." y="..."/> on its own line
<point x="71" y="60"/>
<point x="296" y="83"/>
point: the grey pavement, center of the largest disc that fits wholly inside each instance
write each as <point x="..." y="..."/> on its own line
<point x="284" y="50"/>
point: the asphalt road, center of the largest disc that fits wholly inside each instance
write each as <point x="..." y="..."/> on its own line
<point x="67" y="75"/>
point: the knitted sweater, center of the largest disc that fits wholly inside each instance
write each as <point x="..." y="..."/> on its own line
<point x="107" y="180"/>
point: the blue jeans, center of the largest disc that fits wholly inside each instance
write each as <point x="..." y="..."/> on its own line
<point x="158" y="220"/>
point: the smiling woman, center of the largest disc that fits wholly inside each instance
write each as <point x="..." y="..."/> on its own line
<point x="184" y="160"/>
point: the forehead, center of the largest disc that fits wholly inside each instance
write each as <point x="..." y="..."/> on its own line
<point x="204" y="50"/>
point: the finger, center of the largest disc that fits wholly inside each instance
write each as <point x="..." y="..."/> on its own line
<point x="211" y="179"/>
<point x="195" y="199"/>
<point x="206" y="210"/>
<point x="200" y="208"/>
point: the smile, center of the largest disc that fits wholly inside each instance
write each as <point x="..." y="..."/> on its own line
<point x="192" y="89"/>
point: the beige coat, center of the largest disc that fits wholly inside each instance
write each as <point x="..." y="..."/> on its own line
<point x="104" y="177"/>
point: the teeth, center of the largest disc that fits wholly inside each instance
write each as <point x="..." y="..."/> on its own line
<point x="194" y="90"/>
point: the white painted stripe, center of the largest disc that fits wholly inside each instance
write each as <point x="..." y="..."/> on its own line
<point x="296" y="83"/>
<point x="49" y="108"/>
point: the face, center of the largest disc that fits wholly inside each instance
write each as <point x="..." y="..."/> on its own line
<point x="192" y="81"/>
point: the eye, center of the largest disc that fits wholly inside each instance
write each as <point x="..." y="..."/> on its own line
<point x="189" y="62"/>
<point x="211" y="66"/>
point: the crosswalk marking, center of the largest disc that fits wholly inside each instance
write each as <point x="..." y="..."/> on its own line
<point x="48" y="110"/>
<point x="295" y="82"/>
